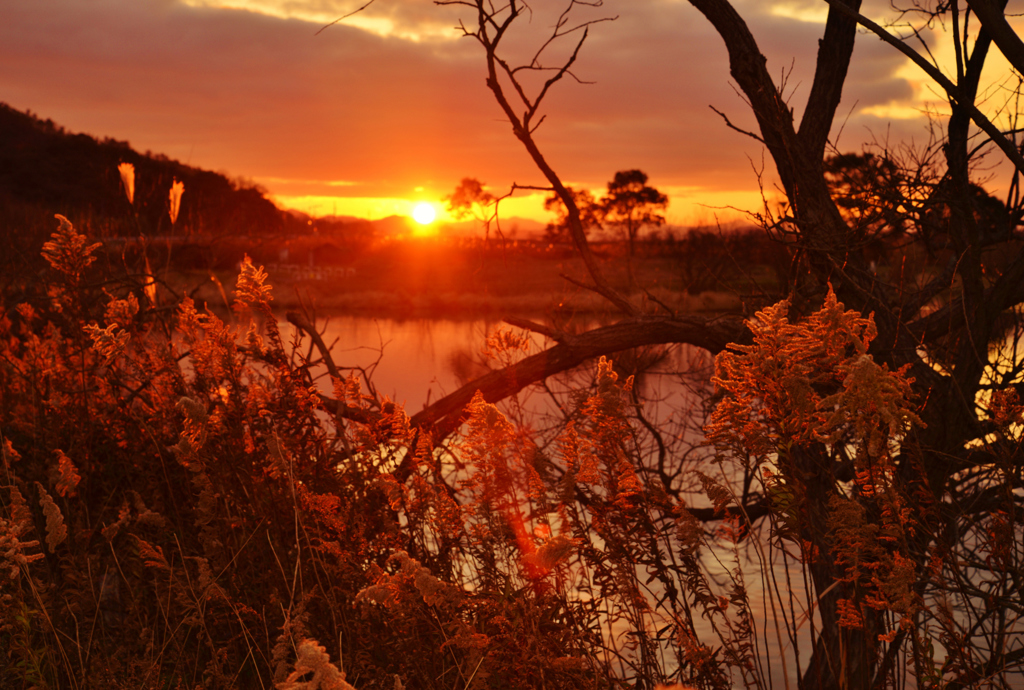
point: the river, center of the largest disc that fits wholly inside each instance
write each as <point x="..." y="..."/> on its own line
<point x="418" y="361"/>
<point x="412" y="361"/>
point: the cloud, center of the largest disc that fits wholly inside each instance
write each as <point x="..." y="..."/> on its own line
<point x="402" y="103"/>
<point x="406" y="20"/>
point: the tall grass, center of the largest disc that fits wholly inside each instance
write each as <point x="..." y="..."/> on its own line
<point x="181" y="507"/>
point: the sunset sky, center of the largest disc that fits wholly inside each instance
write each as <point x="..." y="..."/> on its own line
<point x="389" y="107"/>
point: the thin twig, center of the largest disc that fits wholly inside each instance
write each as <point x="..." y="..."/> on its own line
<point x="344" y="17"/>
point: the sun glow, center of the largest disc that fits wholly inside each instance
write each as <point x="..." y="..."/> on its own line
<point x="424" y="213"/>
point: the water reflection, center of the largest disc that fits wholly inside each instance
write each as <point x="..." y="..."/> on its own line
<point x="408" y="359"/>
<point x="418" y="361"/>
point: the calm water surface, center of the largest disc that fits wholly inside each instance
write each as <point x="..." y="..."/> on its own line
<point x="418" y="361"/>
<point x="410" y="358"/>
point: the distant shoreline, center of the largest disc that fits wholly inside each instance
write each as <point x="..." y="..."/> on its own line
<point x="327" y="298"/>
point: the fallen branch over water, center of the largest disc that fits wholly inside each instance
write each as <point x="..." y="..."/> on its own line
<point x="444" y="416"/>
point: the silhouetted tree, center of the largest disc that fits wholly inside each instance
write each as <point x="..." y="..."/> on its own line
<point x="882" y="198"/>
<point x="590" y="211"/>
<point x="870" y="191"/>
<point x="631" y="205"/>
<point x="471" y="200"/>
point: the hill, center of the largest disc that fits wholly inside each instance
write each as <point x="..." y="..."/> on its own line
<point x="45" y="169"/>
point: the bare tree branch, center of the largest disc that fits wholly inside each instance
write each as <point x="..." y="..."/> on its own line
<point x="992" y="14"/>
<point x="711" y="334"/>
<point x="834" y="51"/>
<point x="730" y="125"/>
<point x="344" y="17"/>
<point x="489" y="34"/>
<point x="951" y="89"/>
<point x="445" y="415"/>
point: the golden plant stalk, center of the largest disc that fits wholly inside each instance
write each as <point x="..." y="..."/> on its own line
<point x="56" y="530"/>
<point x="127" y="171"/>
<point x="149" y="287"/>
<point x="177" y="189"/>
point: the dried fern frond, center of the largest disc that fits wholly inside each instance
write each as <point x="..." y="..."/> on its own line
<point x="12" y="550"/>
<point x="252" y="290"/>
<point x="10" y="455"/>
<point x="294" y="628"/>
<point x="152" y="555"/>
<point x="411" y="579"/>
<point x="108" y="342"/>
<point x="195" y="411"/>
<point x="21" y="516"/>
<point x="67" y="250"/>
<point x="56" y="530"/>
<point x="146" y="518"/>
<point x="177" y="189"/>
<point x="807" y="381"/>
<point x="313" y="658"/>
<point x="122" y="312"/>
<point x="65" y="475"/>
<point x="549" y="555"/>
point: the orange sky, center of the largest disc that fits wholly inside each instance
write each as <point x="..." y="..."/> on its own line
<point x="390" y="108"/>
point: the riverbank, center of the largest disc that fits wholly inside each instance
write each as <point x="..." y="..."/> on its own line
<point x="328" y="297"/>
<point x="435" y="281"/>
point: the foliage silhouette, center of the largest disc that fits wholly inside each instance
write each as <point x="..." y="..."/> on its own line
<point x="632" y="205"/>
<point x="589" y="209"/>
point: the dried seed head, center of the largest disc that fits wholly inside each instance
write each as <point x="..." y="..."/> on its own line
<point x="127" y="171"/>
<point x="177" y="189"/>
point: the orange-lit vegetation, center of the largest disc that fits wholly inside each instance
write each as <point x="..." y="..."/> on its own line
<point x="837" y="502"/>
<point x="181" y="507"/>
<point x="178" y="525"/>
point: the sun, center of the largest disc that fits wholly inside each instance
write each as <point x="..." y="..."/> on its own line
<point x="424" y="213"/>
